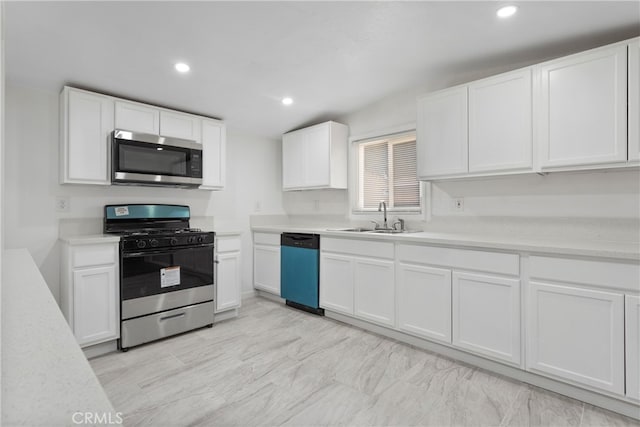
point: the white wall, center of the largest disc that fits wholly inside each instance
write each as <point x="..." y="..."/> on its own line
<point x="31" y="185"/>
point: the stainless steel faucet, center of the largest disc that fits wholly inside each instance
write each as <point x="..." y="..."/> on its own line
<point x="383" y="206"/>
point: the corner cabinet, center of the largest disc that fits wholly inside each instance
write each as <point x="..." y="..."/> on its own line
<point x="315" y="157"/>
<point x="90" y="294"/>
<point x="583" y="108"/>
<point x="228" y="269"/>
<point x="87" y="120"/>
<point x="266" y="262"/>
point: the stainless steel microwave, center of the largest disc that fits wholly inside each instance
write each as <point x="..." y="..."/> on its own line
<point x="145" y="159"/>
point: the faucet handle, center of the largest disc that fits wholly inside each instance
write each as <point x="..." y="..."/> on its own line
<point x="399" y="221"/>
<point x="376" y="224"/>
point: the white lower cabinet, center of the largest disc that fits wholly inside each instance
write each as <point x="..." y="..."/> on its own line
<point x="374" y="298"/>
<point x="90" y="294"/>
<point x="336" y="283"/>
<point x="228" y="270"/>
<point x="95" y="305"/>
<point x="577" y="334"/>
<point x="632" y="347"/>
<point x="266" y="262"/>
<point x="424" y="301"/>
<point x="486" y="315"/>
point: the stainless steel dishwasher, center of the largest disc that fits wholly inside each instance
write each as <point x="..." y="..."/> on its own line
<point x="300" y="271"/>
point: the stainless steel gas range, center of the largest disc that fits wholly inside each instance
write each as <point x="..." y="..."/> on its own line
<point x="166" y="271"/>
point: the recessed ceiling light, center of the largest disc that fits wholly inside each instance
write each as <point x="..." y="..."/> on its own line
<point x="182" y="67"/>
<point x="507" y="11"/>
<point x="287" y="101"/>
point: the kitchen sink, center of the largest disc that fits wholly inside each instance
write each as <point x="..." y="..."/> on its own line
<point x="378" y="231"/>
<point x="393" y="231"/>
<point x="356" y="230"/>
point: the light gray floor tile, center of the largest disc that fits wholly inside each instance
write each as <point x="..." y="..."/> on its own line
<point x="274" y="365"/>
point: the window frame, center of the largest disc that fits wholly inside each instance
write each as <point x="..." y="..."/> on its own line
<point x="421" y="213"/>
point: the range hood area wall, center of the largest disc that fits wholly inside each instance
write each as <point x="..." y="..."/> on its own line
<point x="31" y="184"/>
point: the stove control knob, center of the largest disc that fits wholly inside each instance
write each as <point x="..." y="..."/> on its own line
<point x="191" y="239"/>
<point x="153" y="243"/>
<point x="141" y="243"/>
<point x="173" y="241"/>
<point x="200" y="239"/>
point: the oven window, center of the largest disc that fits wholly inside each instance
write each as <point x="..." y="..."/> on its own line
<point x="152" y="159"/>
<point x="154" y="273"/>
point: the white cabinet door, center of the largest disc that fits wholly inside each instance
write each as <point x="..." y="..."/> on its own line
<point x="227" y="281"/>
<point x="374" y="288"/>
<point x="336" y="283"/>
<point x="180" y="125"/>
<point x="442" y="147"/>
<point x="583" y="109"/>
<point x="500" y="130"/>
<point x="634" y="100"/>
<point x="486" y="316"/>
<point x="293" y="160"/>
<point x="137" y="117"/>
<point x="87" y="126"/>
<point x="266" y="268"/>
<point x="317" y="156"/>
<point x="632" y="345"/>
<point x="576" y="334"/>
<point x="424" y="301"/>
<point x="214" y="143"/>
<point x="95" y="305"/>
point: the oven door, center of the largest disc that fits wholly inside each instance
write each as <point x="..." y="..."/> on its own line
<point x="152" y="281"/>
<point x="152" y="159"/>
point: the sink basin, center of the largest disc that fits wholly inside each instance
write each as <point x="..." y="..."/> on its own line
<point x="355" y="230"/>
<point x="392" y="231"/>
<point x="371" y="230"/>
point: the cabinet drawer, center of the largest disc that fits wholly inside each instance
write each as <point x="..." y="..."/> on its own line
<point x="493" y="262"/>
<point x="358" y="247"/>
<point x="84" y="256"/>
<point x="598" y="273"/>
<point x="266" y="239"/>
<point x="228" y="245"/>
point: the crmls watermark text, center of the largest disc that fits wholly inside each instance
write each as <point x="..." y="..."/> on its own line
<point x="96" y="418"/>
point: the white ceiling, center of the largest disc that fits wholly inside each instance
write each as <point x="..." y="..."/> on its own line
<point x="333" y="58"/>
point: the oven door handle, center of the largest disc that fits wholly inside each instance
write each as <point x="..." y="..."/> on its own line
<point x="164" y="251"/>
<point x="143" y="253"/>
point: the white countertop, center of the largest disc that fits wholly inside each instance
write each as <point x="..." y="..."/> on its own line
<point x="590" y="248"/>
<point x="45" y="375"/>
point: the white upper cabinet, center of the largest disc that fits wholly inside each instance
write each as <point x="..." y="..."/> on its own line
<point x="442" y="140"/>
<point x="634" y="100"/>
<point x="582" y="117"/>
<point x="213" y="137"/>
<point x="500" y="130"/>
<point x="86" y="126"/>
<point x="137" y="117"/>
<point x="315" y="157"/>
<point x="180" y="125"/>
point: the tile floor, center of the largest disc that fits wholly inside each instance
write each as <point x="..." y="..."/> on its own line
<point x="274" y="365"/>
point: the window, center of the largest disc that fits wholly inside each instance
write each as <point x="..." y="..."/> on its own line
<point x="387" y="172"/>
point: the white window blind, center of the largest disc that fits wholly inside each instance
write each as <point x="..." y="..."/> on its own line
<point x="387" y="172"/>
